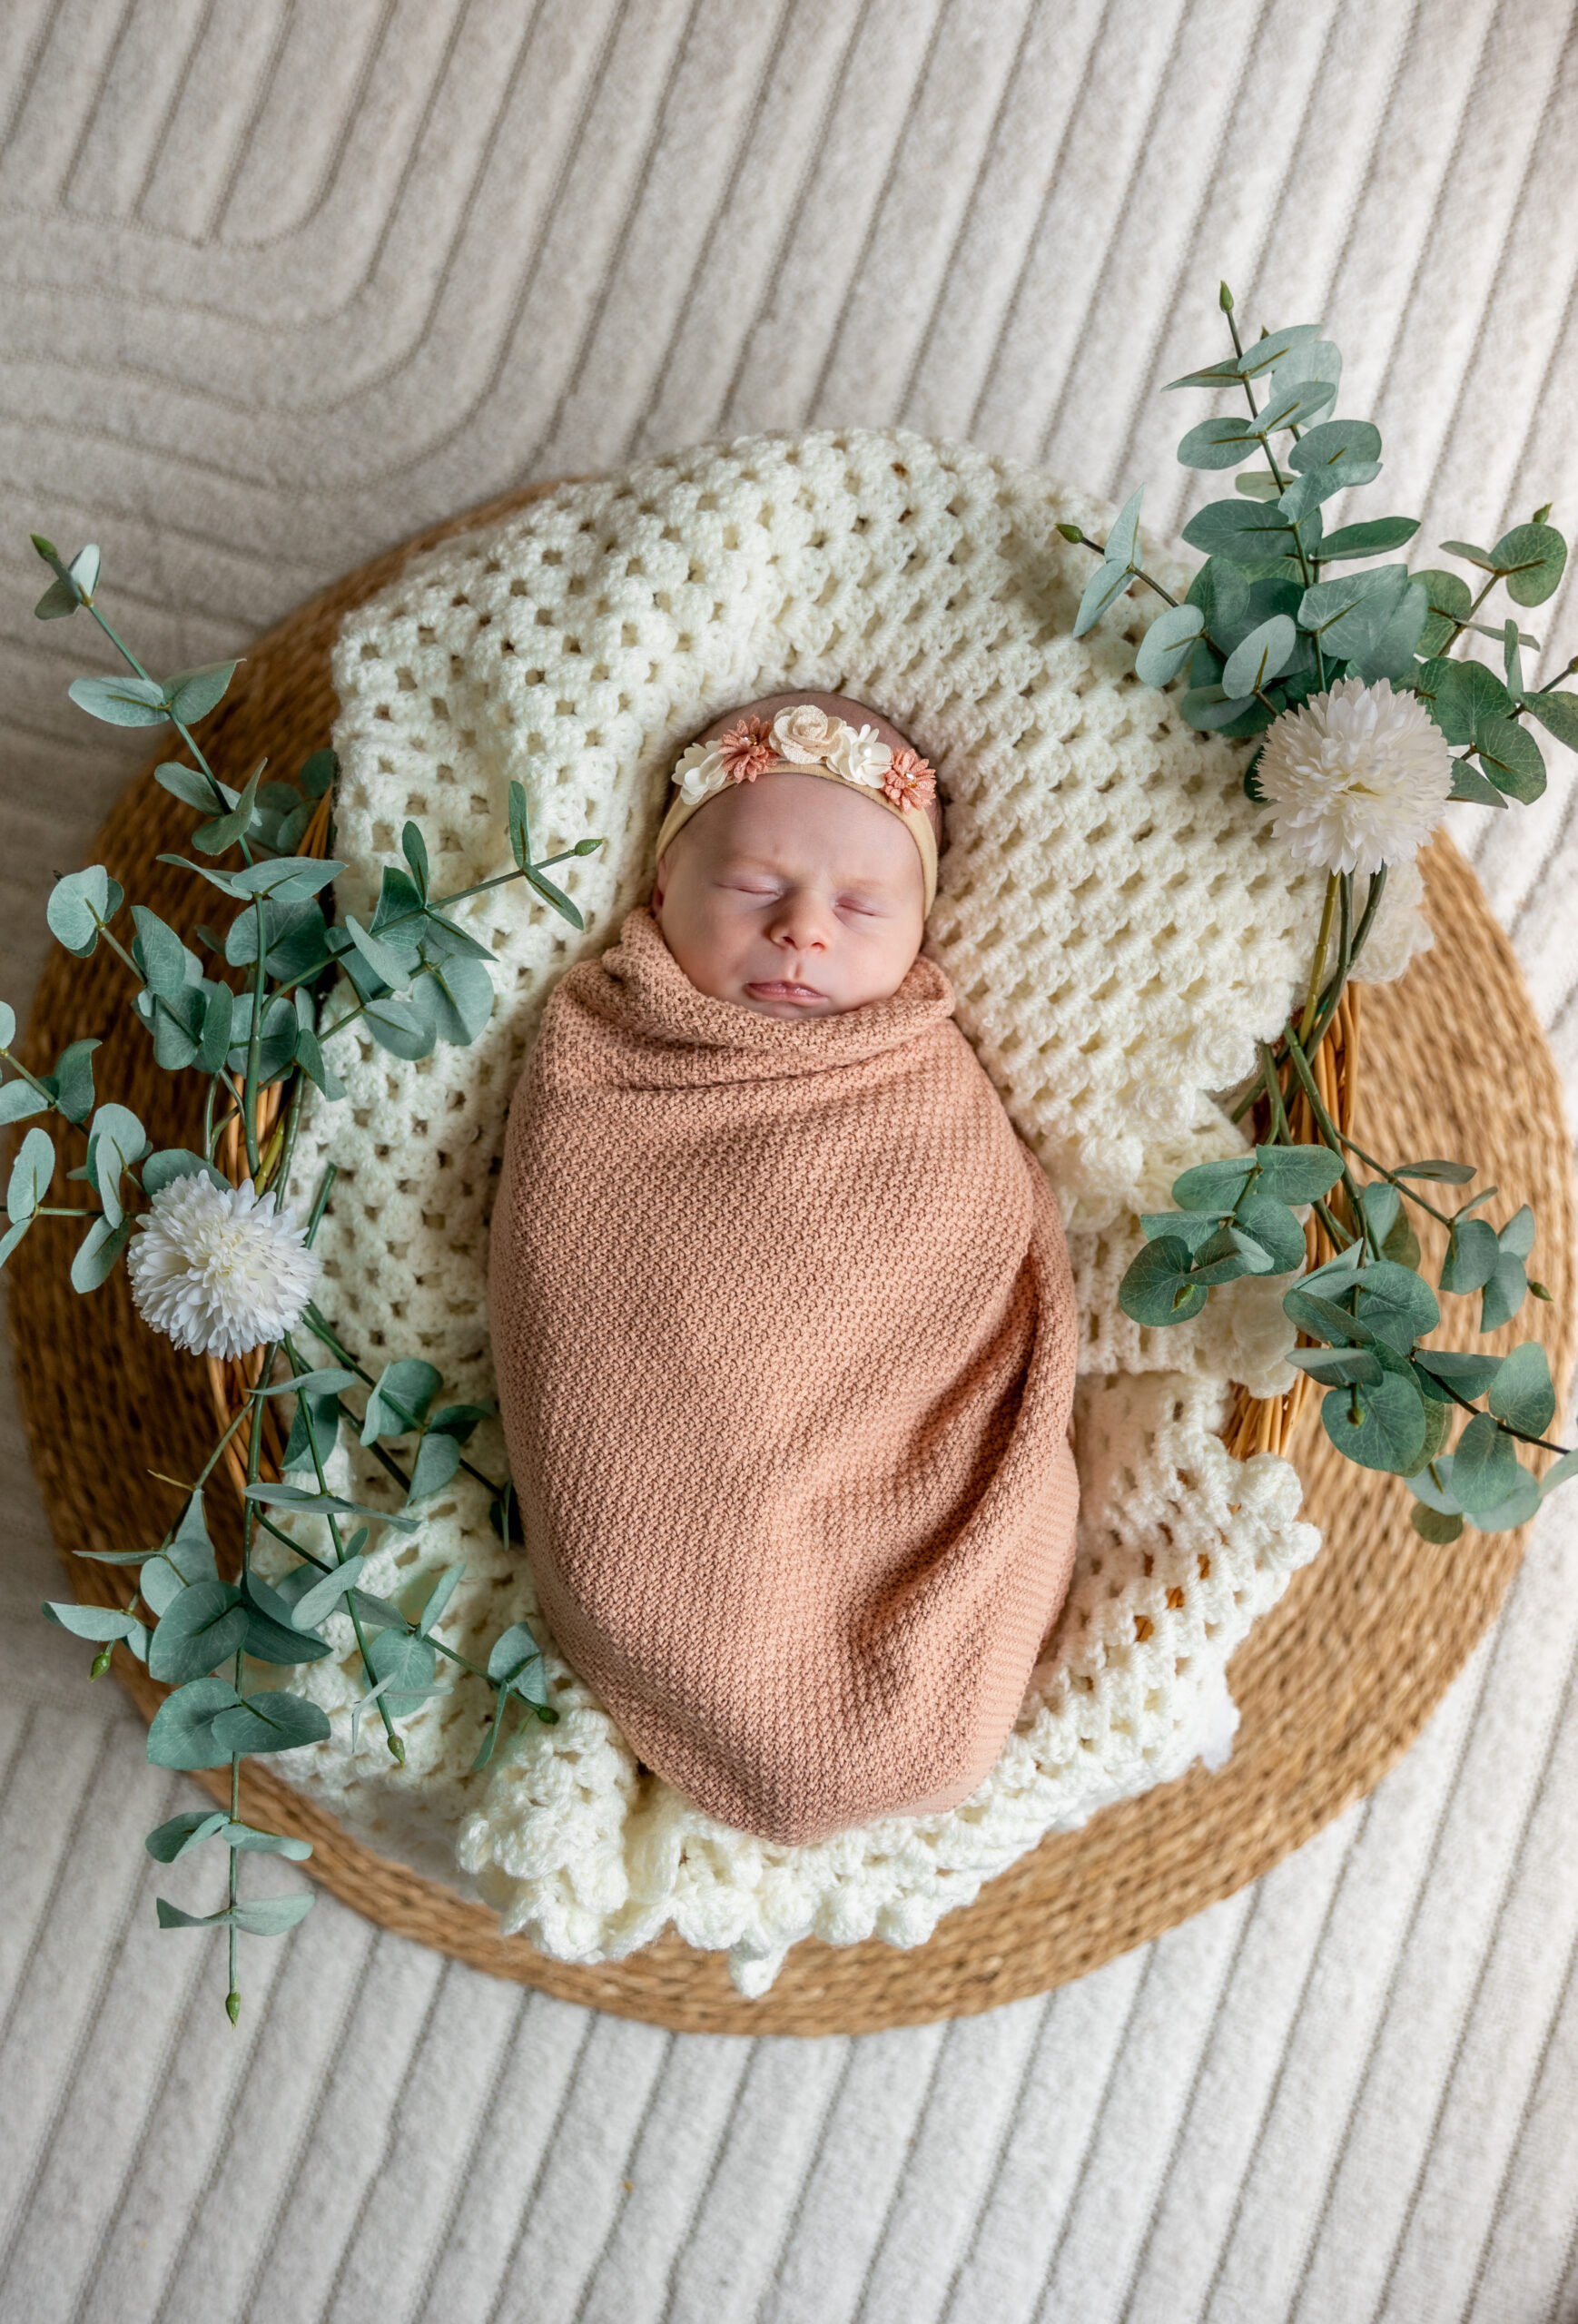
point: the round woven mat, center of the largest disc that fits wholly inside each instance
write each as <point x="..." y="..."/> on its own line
<point x="1334" y="1684"/>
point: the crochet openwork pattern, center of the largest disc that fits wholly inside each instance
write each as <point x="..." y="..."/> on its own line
<point x="1120" y="929"/>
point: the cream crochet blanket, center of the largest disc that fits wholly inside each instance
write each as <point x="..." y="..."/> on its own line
<point x="1120" y="929"/>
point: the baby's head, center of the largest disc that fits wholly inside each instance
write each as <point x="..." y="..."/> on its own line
<point x="793" y="894"/>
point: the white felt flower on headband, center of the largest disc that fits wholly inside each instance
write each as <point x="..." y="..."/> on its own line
<point x="862" y="757"/>
<point x="700" y="772"/>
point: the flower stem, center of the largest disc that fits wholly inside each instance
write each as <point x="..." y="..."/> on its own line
<point x="1312" y="1002"/>
<point x="1332" y="1136"/>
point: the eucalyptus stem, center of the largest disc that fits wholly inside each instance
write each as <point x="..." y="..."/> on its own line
<point x="1331" y="1137"/>
<point x="397" y="1748"/>
<point x="254" y="1047"/>
<point x="1281" y="1135"/>
<point x="1329" y="914"/>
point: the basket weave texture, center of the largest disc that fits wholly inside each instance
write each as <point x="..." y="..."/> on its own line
<point x="1332" y="1684"/>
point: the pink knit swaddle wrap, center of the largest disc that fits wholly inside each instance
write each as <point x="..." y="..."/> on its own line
<point x="785" y="1334"/>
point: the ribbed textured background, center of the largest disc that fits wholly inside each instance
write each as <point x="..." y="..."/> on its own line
<point x="280" y="282"/>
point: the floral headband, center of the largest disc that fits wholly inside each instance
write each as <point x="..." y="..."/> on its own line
<point x="804" y="740"/>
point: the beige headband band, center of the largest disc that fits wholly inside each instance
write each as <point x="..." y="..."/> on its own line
<point x="804" y="740"/>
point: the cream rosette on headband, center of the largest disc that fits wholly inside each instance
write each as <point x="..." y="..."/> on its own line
<point x="804" y="740"/>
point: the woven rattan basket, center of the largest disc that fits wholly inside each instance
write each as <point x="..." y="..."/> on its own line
<point x="1332" y="1684"/>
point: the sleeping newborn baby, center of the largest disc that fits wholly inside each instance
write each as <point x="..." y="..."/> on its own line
<point x="781" y="1307"/>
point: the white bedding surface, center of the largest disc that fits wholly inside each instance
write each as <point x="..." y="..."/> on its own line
<point x="281" y="284"/>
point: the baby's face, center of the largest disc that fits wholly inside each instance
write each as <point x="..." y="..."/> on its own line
<point x="792" y="896"/>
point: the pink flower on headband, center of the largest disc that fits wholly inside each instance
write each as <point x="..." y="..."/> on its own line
<point x="909" y="781"/>
<point x="747" y="750"/>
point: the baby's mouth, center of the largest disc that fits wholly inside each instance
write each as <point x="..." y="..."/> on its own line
<point x="777" y="990"/>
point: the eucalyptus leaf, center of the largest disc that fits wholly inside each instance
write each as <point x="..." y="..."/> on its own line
<point x="1431" y="1526"/>
<point x="443" y="1590"/>
<point x="297" y="1501"/>
<point x="408" y="1663"/>
<point x="1273" y="1227"/>
<point x="1471" y="555"/>
<point x="271" y="1722"/>
<point x="1211" y="709"/>
<point x="250" y="1840"/>
<point x="1217" y="444"/>
<point x="1450" y="603"/>
<point x="399" y="1399"/>
<point x="73" y="1080"/>
<point x="1433" y="1486"/>
<point x="1504" y="1293"/>
<point x="1485" y="1465"/>
<point x="1214" y="1186"/>
<point x="1531" y="557"/>
<point x="1252" y="665"/>
<point x="272" y="1916"/>
<point x="1122" y="542"/>
<point x="30" y="1175"/>
<point x="318" y="772"/>
<point x="203" y="1624"/>
<point x="1516" y="1509"/>
<point x="120" y="702"/>
<point x="1156" y="1289"/>
<point x="1296" y="405"/>
<point x="1373" y="539"/>
<point x="1396" y="1305"/>
<point x="1348" y="614"/>
<point x="98" y="1254"/>
<point x="18" y="1100"/>
<point x="383" y="962"/>
<point x="317" y="1603"/>
<point x="562" y="904"/>
<point x="78" y="904"/>
<point x="1246" y="531"/>
<point x="1393" y="654"/>
<point x="1446" y="1174"/>
<point x="192" y="788"/>
<point x="159" y="952"/>
<point x="1518" y="1235"/>
<point x="183" y="1833"/>
<point x="172" y="1162"/>
<point x="272" y="1634"/>
<point x="1522" y="1393"/>
<point x="1338" y="1366"/>
<point x="1104" y="588"/>
<point x="455" y="1001"/>
<point x="103" y="1623"/>
<point x="223" y="830"/>
<point x="192" y="693"/>
<point x="398" y="1027"/>
<point x="1557" y="713"/>
<point x="438" y="1458"/>
<point x="289" y="878"/>
<point x="1389" y="1433"/>
<point x="181" y="1733"/>
<point x="1472" y="1253"/>
<point x="1469" y="784"/>
<point x="1511" y="758"/>
<point x="1336" y="443"/>
<point x="520" y="826"/>
<point x="1470" y="1374"/>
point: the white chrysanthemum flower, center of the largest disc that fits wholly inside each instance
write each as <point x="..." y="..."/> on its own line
<point x="219" y="1273"/>
<point x="1359" y="777"/>
<point x="700" y="772"/>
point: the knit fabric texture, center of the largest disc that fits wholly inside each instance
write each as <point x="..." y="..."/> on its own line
<point x="784" y="1331"/>
<point x="1119" y="929"/>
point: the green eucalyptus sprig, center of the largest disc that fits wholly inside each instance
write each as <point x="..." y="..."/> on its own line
<point x="416" y="978"/>
<point x="1265" y="628"/>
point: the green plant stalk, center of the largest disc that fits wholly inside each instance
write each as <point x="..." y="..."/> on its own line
<point x="321" y="1331"/>
<point x="1281" y="1135"/>
<point x="397" y="1748"/>
<point x="1328" y="1007"/>
<point x="1329" y="914"/>
<point x="127" y="656"/>
<point x="438" y="904"/>
<point x="1331" y="1137"/>
<point x="1506" y="1426"/>
<point x="254" y="1050"/>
